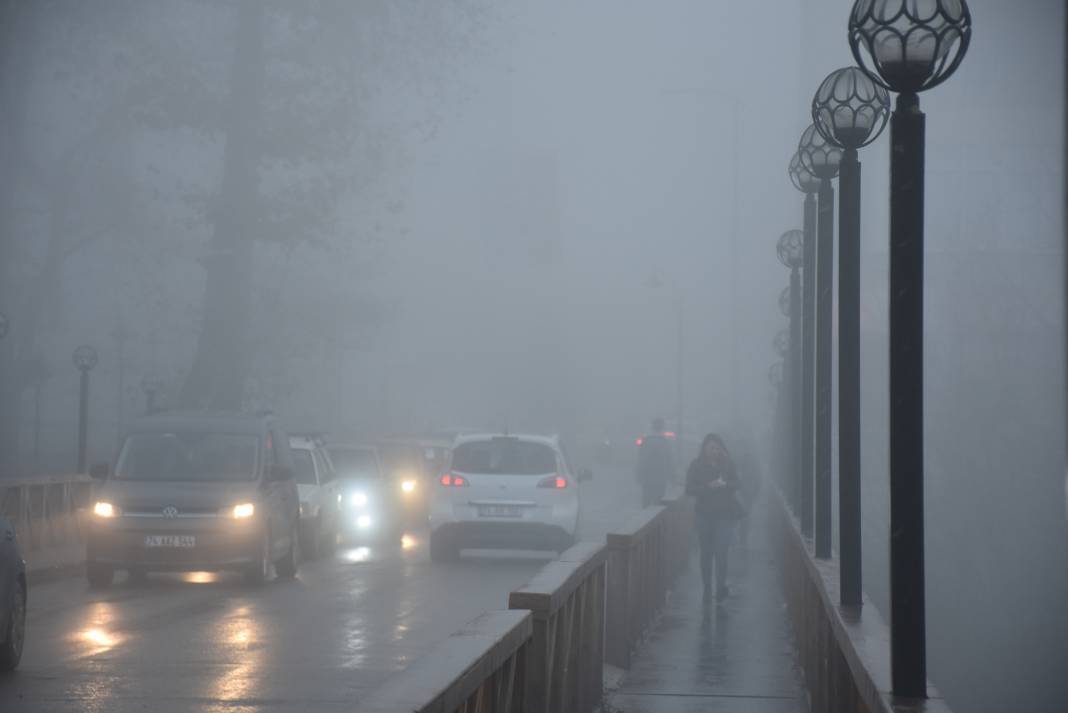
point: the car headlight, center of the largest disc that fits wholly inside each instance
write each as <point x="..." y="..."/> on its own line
<point x="359" y="499"/>
<point x="363" y="522"/>
<point x="243" y="511"/>
<point x="104" y="509"/>
<point x="408" y="486"/>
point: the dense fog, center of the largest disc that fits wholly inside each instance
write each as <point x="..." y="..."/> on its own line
<point x="399" y="216"/>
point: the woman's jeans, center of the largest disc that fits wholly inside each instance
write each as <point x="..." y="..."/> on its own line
<point x="714" y="535"/>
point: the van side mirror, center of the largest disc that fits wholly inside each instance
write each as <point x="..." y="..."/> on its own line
<point x="99" y="471"/>
<point x="585" y="475"/>
<point x="277" y="473"/>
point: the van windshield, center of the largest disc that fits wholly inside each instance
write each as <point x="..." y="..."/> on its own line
<point x="504" y="456"/>
<point x="188" y="456"/>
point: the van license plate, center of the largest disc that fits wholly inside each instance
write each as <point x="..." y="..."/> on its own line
<point x="170" y="541"/>
<point x="500" y="511"/>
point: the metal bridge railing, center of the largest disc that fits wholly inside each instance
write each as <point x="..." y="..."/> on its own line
<point x="47" y="511"/>
<point x="547" y="653"/>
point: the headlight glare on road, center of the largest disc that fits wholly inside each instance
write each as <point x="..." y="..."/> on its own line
<point x="408" y="486"/>
<point x="359" y="499"/>
<point x="244" y="510"/>
<point x="103" y="509"/>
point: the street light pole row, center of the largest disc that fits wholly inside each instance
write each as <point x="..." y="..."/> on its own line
<point x="901" y="46"/>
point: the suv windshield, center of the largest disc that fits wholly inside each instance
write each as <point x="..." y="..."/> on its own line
<point x="188" y="456"/>
<point x="504" y="456"/>
<point x="354" y="462"/>
<point x="303" y="466"/>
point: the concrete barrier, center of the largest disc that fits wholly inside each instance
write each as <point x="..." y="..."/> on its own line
<point x="845" y="653"/>
<point x="565" y="663"/>
<point x="479" y="668"/>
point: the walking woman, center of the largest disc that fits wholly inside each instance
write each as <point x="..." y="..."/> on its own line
<point x="712" y="481"/>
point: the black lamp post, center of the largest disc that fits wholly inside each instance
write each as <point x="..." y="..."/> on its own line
<point x="821" y="158"/>
<point x="791" y="251"/>
<point x="808" y="184"/>
<point x="907" y="47"/>
<point x="85" y="359"/>
<point x="850" y="111"/>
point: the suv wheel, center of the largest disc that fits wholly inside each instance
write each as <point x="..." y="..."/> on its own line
<point x="287" y="566"/>
<point x="100" y="576"/>
<point x="11" y="651"/>
<point x="258" y="571"/>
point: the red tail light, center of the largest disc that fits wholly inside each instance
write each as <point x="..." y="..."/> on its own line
<point x="450" y="480"/>
<point x="553" y="481"/>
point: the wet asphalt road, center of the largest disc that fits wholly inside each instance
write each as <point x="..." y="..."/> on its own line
<point x="210" y="642"/>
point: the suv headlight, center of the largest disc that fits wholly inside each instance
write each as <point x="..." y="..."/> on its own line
<point x="359" y="499"/>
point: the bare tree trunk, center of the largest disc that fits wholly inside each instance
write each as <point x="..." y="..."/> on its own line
<point x="223" y="357"/>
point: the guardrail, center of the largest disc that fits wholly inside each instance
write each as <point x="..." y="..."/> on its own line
<point x="45" y="510"/>
<point x="547" y="653"/>
<point x="644" y="557"/>
<point x="565" y="665"/>
<point x="845" y="652"/>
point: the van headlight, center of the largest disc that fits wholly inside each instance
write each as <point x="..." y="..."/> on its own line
<point x="104" y="509"/>
<point x="244" y="510"/>
<point x="359" y="499"/>
<point x="408" y="486"/>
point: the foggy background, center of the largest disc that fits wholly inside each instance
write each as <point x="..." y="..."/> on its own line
<point x="478" y="214"/>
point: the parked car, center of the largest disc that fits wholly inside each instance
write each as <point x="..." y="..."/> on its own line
<point x="13" y="597"/>
<point x="196" y="491"/>
<point x="371" y="509"/>
<point x="318" y="490"/>
<point x="504" y="492"/>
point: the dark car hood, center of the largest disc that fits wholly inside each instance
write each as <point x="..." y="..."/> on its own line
<point x="129" y="494"/>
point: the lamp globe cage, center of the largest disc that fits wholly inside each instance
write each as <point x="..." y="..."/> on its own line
<point x="84" y="357"/>
<point x="849" y="109"/>
<point x="791" y="249"/>
<point x="800" y="176"/>
<point x="784" y="301"/>
<point x="781" y="343"/>
<point x="818" y="155"/>
<point x="909" y="46"/>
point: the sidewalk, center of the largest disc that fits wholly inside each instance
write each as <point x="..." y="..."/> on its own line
<point x="733" y="658"/>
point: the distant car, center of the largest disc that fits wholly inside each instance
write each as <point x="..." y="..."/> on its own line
<point x="196" y="491"/>
<point x="410" y="474"/>
<point x="504" y="492"/>
<point x="318" y="490"/>
<point x="13" y="597"/>
<point x="371" y="509"/>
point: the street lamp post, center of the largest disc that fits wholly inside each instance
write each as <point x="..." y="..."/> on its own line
<point x="85" y="359"/>
<point x="808" y="184"/>
<point x="850" y="111"/>
<point x="821" y="158"/>
<point x="907" y="47"/>
<point x="791" y="251"/>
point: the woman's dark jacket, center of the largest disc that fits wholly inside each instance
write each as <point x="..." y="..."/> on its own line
<point x="718" y="502"/>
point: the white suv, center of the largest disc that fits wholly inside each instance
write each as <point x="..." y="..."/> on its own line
<point x="318" y="490"/>
<point x="504" y="492"/>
